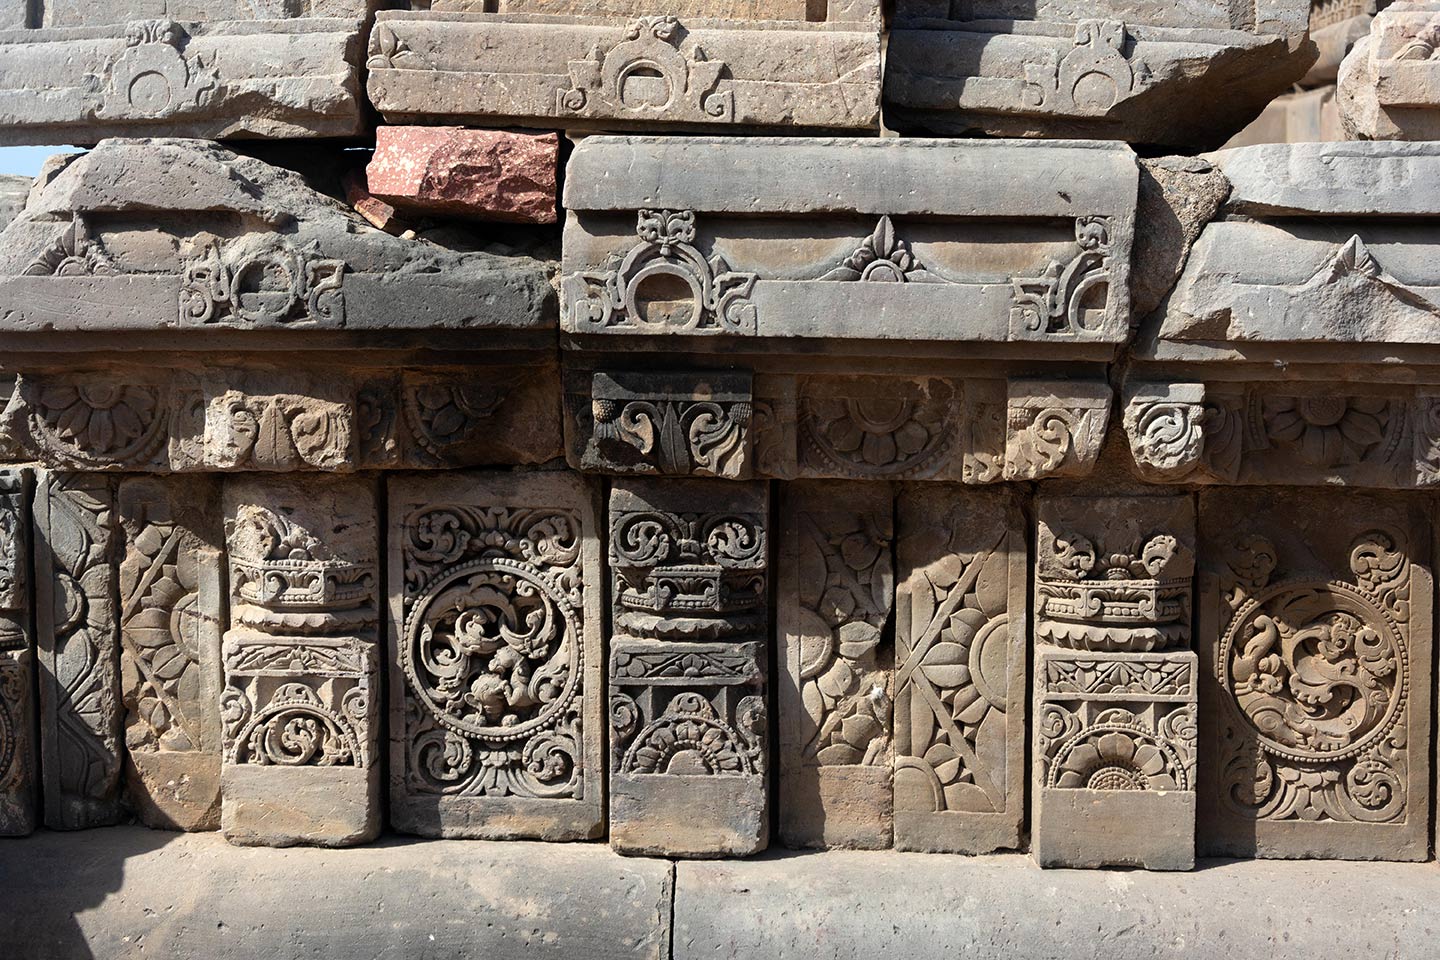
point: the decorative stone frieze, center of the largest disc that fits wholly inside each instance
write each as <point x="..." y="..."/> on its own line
<point x="209" y="239"/>
<point x="689" y="662"/>
<point x="575" y="64"/>
<point x="300" y="706"/>
<point x="77" y="546"/>
<point x="172" y="613"/>
<point x="1274" y="360"/>
<point x="19" y="771"/>
<point x="496" y="699"/>
<point x="1144" y="73"/>
<point x="1389" y="83"/>
<point x="1315" y="639"/>
<point x="861" y="240"/>
<point x="1116" y="683"/>
<point x="77" y="71"/>
<point x="836" y="671"/>
<point x="960" y="633"/>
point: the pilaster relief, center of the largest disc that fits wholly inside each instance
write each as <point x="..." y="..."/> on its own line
<point x="836" y="688"/>
<point x="1115" y="683"/>
<point x="77" y="638"/>
<point x="689" y="754"/>
<point x="496" y="707"/>
<point x="172" y="603"/>
<point x="959" y="670"/>
<point x="1315" y="640"/>
<point x="19" y="771"/>
<point x="300" y="704"/>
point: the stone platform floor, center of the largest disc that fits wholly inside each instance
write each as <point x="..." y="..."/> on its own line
<point x="130" y="892"/>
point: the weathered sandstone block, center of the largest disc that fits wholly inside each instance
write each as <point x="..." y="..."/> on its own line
<point x="630" y="65"/>
<point x="19" y="771"/>
<point x="486" y="174"/>
<point x="172" y="611"/>
<point x="13" y="193"/>
<point x="77" y="71"/>
<point x="169" y="234"/>
<point x="1335" y="27"/>
<point x="496" y="701"/>
<point x="1315" y="646"/>
<point x="1314" y="273"/>
<point x="1115" y="683"/>
<point x="1161" y="73"/>
<point x="1389" y="86"/>
<point x="300" y="707"/>
<point x="836" y="671"/>
<point x="689" y="661"/>
<point x="77" y="543"/>
<point x="960" y="616"/>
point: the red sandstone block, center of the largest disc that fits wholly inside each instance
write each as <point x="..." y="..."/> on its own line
<point x="378" y="212"/>
<point x="486" y="174"/>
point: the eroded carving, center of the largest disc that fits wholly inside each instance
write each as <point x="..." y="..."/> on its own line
<point x="653" y="73"/>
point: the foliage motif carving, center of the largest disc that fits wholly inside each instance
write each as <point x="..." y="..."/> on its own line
<point x="1068" y="299"/>
<point x="663" y="284"/>
<point x="1315" y="675"/>
<point x="278" y="432"/>
<point x="95" y="421"/>
<point x="884" y="428"/>
<point x="883" y="258"/>
<point x="675" y="425"/>
<point x="649" y="75"/>
<point x="492" y="650"/>
<point x="1054" y="433"/>
<point x="154" y="78"/>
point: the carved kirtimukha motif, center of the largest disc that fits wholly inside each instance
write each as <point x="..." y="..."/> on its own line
<point x="19" y="790"/>
<point x="154" y="78"/>
<point x="652" y="73"/>
<point x="260" y="280"/>
<point x="959" y="671"/>
<point x="663" y="285"/>
<point x="1318" y="661"/>
<point x="688" y="667"/>
<point x="494" y="707"/>
<point x="1115" y="682"/>
<point x="301" y="662"/>
<point x="836" y="591"/>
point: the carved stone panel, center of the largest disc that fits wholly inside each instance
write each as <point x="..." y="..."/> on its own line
<point x="857" y="242"/>
<point x="19" y="789"/>
<point x="78" y="642"/>
<point x="1315" y="643"/>
<point x="689" y="748"/>
<point x="1389" y="88"/>
<point x="666" y="424"/>
<point x="496" y="703"/>
<point x="172" y="610"/>
<point x="959" y="670"/>
<point x="556" y="69"/>
<point x="1115" y="683"/>
<point x="299" y="708"/>
<point x="835" y="698"/>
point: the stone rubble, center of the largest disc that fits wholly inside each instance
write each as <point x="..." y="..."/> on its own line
<point x="768" y="442"/>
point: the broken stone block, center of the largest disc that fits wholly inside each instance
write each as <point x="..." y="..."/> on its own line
<point x="1115" y="683"/>
<point x="454" y="172"/>
<point x="581" y="65"/>
<point x="496" y="660"/>
<point x="1389" y="83"/>
<point x="1311" y="275"/>
<point x="1315" y="650"/>
<point x="143" y="235"/>
<point x="13" y="193"/>
<point x="960" y="613"/>
<point x="77" y="637"/>
<point x="77" y="71"/>
<point x="852" y="240"/>
<point x="172" y="611"/>
<point x="1181" y="76"/>
<point x="1307" y="116"/>
<point x="302" y="683"/>
<point x="1335" y="27"/>
<point x="667" y="424"/>
<point x="836" y="670"/>
<point x="19" y="772"/>
<point x="689" y="748"/>
<point x="377" y="213"/>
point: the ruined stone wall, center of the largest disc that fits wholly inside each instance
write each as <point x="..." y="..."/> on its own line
<point x="697" y="430"/>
